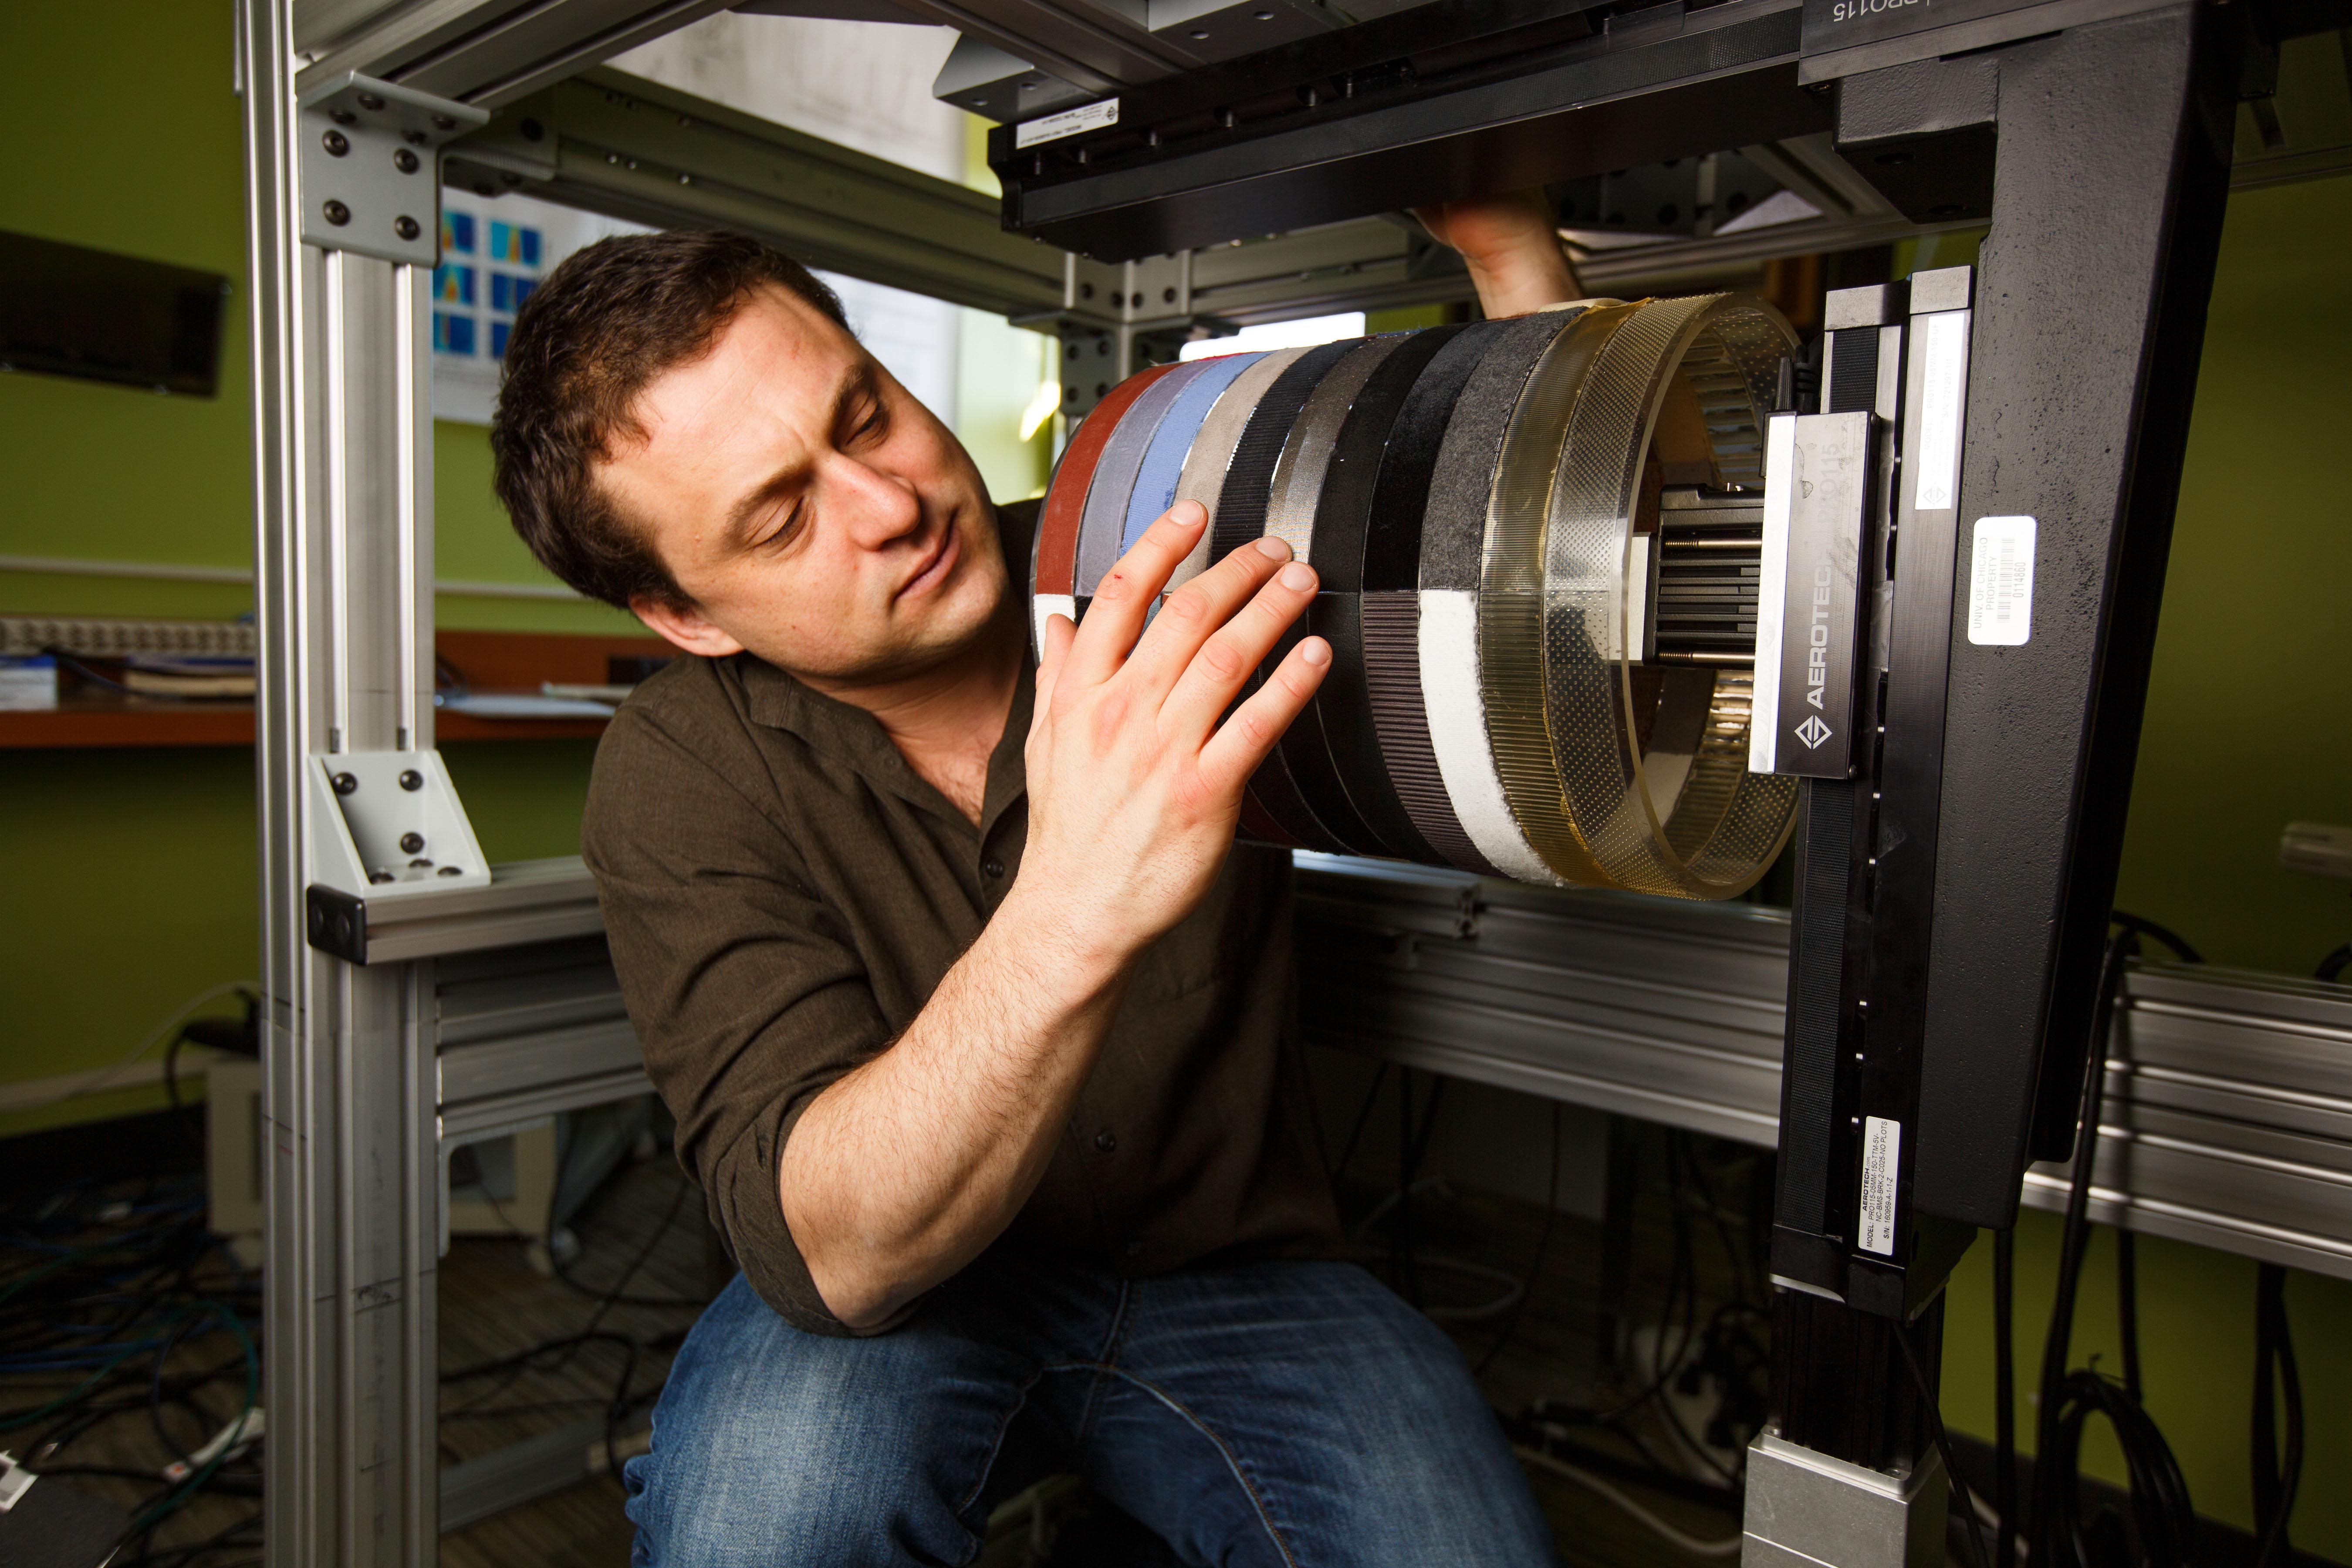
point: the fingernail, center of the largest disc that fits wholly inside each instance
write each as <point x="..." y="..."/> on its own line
<point x="1191" y="513"/>
<point x="1273" y="544"/>
<point x="1315" y="652"/>
<point x="1299" y="577"/>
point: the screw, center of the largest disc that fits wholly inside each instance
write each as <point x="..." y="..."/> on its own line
<point x="336" y="143"/>
<point x="1309" y="96"/>
<point x="337" y="213"/>
<point x="343" y="117"/>
<point x="1082" y="156"/>
<point x="414" y="138"/>
<point x="406" y="228"/>
<point x="1150" y="139"/>
<point x="686" y="179"/>
<point x="445" y="123"/>
<point x="1085" y="291"/>
<point x="410" y="843"/>
<point x="346" y="784"/>
<point x="1228" y="119"/>
<point x="370" y="103"/>
<point x="531" y="130"/>
<point x="1102" y="389"/>
<point x="420" y="863"/>
<point x="453" y="870"/>
<point x="411" y="780"/>
<point x="1200" y="32"/>
<point x="379" y="875"/>
<point x="405" y="161"/>
<point x="1168" y="296"/>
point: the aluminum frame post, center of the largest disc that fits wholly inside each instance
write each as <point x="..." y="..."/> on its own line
<point x="342" y="480"/>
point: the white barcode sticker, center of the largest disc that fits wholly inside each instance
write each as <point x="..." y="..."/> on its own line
<point x="1941" y="382"/>
<point x="1882" y="1162"/>
<point x="2000" y="582"/>
<point x="1068" y="122"/>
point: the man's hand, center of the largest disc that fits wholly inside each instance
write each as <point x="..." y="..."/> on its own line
<point x="900" y="1172"/>
<point x="1512" y="248"/>
<point x="1134" y="786"/>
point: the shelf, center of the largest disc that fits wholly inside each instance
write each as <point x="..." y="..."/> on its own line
<point x="491" y="661"/>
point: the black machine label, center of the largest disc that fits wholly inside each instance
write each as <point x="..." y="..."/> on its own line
<point x="1841" y="24"/>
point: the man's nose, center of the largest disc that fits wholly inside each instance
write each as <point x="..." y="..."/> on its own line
<point x="881" y="508"/>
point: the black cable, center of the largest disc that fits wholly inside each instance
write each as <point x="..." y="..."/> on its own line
<point x="2004" y="1391"/>
<point x="2127" y="1309"/>
<point x="2162" y="1515"/>
<point x="2139" y="926"/>
<point x="2275" y="1373"/>
<point x="1943" y="1445"/>
<point x="1535" y="1265"/>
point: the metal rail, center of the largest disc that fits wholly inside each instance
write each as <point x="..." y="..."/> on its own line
<point x="2228" y="1118"/>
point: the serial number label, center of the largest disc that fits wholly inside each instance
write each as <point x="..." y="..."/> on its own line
<point x="1068" y="122"/>
<point x="1863" y="10"/>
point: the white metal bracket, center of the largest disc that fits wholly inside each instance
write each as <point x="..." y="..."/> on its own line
<point x="385" y="827"/>
<point x="370" y="181"/>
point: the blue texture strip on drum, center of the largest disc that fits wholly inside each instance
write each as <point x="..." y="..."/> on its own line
<point x="1106" y="517"/>
<point x="1163" y="460"/>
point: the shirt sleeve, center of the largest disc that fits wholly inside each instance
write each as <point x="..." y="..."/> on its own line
<point x="747" y="997"/>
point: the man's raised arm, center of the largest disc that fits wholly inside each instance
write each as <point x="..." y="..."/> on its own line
<point x="901" y="1172"/>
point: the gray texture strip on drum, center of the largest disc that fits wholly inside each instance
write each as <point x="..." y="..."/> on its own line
<point x="1297" y="489"/>
<point x="1453" y="526"/>
<point x="1105" y="520"/>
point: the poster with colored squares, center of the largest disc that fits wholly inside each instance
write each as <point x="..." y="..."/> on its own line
<point x="494" y="251"/>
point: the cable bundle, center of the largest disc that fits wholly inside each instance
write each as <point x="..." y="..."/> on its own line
<point x="1539" y="541"/>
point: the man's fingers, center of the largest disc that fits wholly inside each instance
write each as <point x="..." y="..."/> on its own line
<point x="1195" y="612"/>
<point x="1215" y="674"/>
<point x="1124" y="596"/>
<point x="1241" y="742"/>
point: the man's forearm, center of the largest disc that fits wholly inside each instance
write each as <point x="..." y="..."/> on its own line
<point x="902" y="1171"/>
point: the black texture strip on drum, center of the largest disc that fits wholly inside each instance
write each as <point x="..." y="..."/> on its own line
<point x="1301" y="483"/>
<point x="1393" y="531"/>
<point x="1453" y="526"/>
<point x="1391" y="624"/>
<point x="1334" y="748"/>
<point x="1249" y="478"/>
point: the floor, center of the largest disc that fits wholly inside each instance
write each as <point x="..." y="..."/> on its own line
<point x="524" y="1353"/>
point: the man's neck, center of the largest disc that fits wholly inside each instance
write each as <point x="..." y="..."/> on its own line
<point x="947" y="720"/>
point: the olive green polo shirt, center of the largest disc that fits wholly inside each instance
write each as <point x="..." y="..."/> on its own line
<point x="784" y="892"/>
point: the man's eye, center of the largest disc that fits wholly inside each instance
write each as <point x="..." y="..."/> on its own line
<point x="784" y="531"/>
<point x="873" y="424"/>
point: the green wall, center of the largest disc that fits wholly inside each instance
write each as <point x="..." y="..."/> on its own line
<point x="131" y="883"/>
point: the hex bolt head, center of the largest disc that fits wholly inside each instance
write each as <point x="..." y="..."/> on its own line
<point x="403" y="159"/>
<point x="370" y="103"/>
<point x="411" y="780"/>
<point x="336" y="143"/>
<point x="412" y="843"/>
<point x="337" y="213"/>
<point x="406" y="228"/>
<point x="347" y="784"/>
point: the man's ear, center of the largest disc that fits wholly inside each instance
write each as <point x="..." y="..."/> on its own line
<point x="684" y="626"/>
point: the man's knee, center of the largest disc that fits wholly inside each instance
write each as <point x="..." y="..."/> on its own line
<point x="774" y="1446"/>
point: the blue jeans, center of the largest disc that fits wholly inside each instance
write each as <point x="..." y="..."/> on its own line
<point x="1285" y="1413"/>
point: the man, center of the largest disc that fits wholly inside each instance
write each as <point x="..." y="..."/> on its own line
<point x="975" y="1023"/>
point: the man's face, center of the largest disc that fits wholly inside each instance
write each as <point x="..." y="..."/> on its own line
<point x="814" y="512"/>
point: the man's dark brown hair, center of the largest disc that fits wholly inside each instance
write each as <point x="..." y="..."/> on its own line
<point x="587" y="342"/>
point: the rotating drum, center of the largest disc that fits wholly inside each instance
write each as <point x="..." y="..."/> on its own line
<point x="1538" y="542"/>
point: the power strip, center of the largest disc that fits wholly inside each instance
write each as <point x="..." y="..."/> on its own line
<point x="93" y="639"/>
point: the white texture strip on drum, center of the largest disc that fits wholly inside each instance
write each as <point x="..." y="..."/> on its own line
<point x="1044" y="607"/>
<point x="1771" y="595"/>
<point x="1204" y="480"/>
<point x="1104" y="523"/>
<point x="1297" y="486"/>
<point x="1457" y="706"/>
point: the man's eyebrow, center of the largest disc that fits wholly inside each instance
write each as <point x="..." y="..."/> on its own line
<point x="744" y="515"/>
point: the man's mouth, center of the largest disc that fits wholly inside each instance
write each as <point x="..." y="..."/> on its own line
<point x="935" y="570"/>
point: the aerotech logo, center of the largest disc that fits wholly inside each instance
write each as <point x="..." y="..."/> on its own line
<point x="1812" y="731"/>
